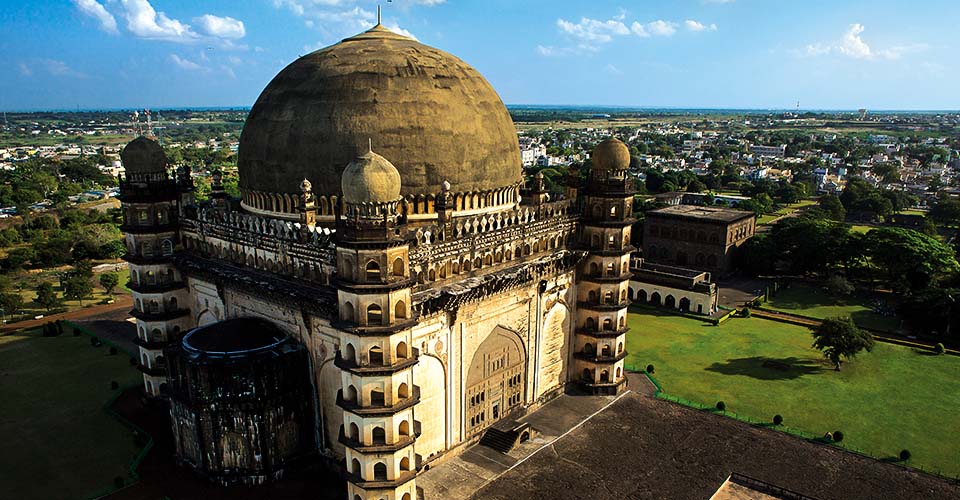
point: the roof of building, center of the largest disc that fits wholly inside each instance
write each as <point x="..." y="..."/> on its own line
<point x="611" y="154"/>
<point x="713" y="214"/>
<point x="643" y="447"/>
<point x="234" y="337"/>
<point x="370" y="178"/>
<point x="434" y="116"/>
<point x="142" y="156"/>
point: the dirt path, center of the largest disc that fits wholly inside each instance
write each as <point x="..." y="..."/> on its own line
<point x="124" y="301"/>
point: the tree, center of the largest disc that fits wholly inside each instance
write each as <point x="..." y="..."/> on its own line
<point x="11" y="302"/>
<point x="109" y="281"/>
<point x="77" y="287"/>
<point x="912" y="260"/>
<point x="839" y="337"/>
<point x="46" y="296"/>
<point x="832" y="206"/>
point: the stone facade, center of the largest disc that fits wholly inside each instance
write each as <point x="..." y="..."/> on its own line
<point x="704" y="238"/>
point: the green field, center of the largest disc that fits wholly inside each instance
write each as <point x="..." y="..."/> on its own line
<point x="58" y="443"/>
<point x="818" y="303"/>
<point x="884" y="401"/>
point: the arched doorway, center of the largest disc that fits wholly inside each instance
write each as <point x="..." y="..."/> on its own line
<point x="642" y="296"/>
<point x="495" y="380"/>
<point x="655" y="298"/>
<point x="685" y="304"/>
<point x="670" y="302"/>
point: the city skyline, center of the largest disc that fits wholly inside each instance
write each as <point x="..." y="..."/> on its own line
<point x="717" y="54"/>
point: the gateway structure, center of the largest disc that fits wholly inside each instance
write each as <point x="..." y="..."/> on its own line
<point x="384" y="227"/>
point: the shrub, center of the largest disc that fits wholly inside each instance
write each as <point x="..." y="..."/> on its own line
<point x="745" y="312"/>
<point x="939" y="349"/>
<point x="721" y="406"/>
<point x="113" y="351"/>
<point x="837" y="436"/>
<point x="757" y="303"/>
<point x="114" y="384"/>
<point x="649" y="368"/>
<point x="904" y="455"/>
<point x="777" y="420"/>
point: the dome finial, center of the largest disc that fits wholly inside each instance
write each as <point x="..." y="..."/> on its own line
<point x="370" y="143"/>
<point x="378" y="14"/>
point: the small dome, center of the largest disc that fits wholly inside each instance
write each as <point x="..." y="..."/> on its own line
<point x="143" y="156"/>
<point x="611" y="154"/>
<point x="370" y="178"/>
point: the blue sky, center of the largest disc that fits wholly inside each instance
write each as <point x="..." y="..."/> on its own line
<point x="878" y="54"/>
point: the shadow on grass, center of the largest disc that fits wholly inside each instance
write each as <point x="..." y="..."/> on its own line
<point x="765" y="368"/>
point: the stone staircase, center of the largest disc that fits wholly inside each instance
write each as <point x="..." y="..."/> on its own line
<point x="504" y="435"/>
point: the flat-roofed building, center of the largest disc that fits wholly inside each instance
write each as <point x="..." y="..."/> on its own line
<point x="700" y="237"/>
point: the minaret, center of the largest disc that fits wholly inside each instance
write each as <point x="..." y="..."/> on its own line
<point x="149" y="200"/>
<point x="376" y="356"/>
<point x="604" y="276"/>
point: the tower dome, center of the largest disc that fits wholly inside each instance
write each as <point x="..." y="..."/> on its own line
<point x="143" y="156"/>
<point x="370" y="178"/>
<point x="611" y="155"/>
<point x="433" y="115"/>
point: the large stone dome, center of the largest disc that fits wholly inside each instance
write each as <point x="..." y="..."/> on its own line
<point x="435" y="117"/>
<point x="143" y="156"/>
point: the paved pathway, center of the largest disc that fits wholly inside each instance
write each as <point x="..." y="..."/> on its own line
<point x="122" y="302"/>
<point x="459" y="477"/>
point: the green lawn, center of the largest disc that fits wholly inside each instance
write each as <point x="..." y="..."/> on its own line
<point x="884" y="401"/>
<point x="860" y="228"/>
<point x="58" y="443"/>
<point x="818" y="303"/>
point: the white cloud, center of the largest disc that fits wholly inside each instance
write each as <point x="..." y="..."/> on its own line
<point x="551" y="51"/>
<point x="145" y="22"/>
<point x="186" y="63"/>
<point x="51" y="67"/>
<point x="661" y="28"/>
<point x="400" y="31"/>
<point x="93" y="9"/>
<point x="719" y="1"/>
<point x="698" y="26"/>
<point x="852" y="44"/>
<point x="639" y="30"/>
<point x="592" y="30"/>
<point x="613" y="70"/>
<point x="335" y="19"/>
<point x="220" y="27"/>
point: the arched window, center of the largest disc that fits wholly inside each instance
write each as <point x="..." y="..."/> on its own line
<point x="402" y="351"/>
<point x="403" y="392"/>
<point x="613" y="211"/>
<point x="591" y="296"/>
<point x="351" y="393"/>
<point x="398" y="267"/>
<point x="374" y="314"/>
<point x="405" y="463"/>
<point x="604" y="376"/>
<point x="173" y="303"/>
<point x="154" y="306"/>
<point x="608" y="324"/>
<point x="594" y="269"/>
<point x="349" y="353"/>
<point x="376" y="398"/>
<point x="380" y="472"/>
<point x="591" y="324"/>
<point x="400" y="310"/>
<point x="355" y="468"/>
<point x="404" y="429"/>
<point x="379" y="436"/>
<point x="348" y="313"/>
<point x="376" y="355"/>
<point x="588" y="348"/>
<point x="354" y="433"/>
<point x="373" y="271"/>
<point x="619" y="347"/>
<point x="605" y="351"/>
<point x="587" y="375"/>
<point x="166" y="248"/>
<point x="156" y="334"/>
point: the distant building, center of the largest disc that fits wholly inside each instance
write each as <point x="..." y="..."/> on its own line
<point x="699" y="237"/>
<point x="770" y="151"/>
<point x="686" y="290"/>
